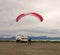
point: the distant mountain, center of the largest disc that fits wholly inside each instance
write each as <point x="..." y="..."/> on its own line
<point x="34" y="38"/>
<point x="11" y="38"/>
<point x="44" y="38"/>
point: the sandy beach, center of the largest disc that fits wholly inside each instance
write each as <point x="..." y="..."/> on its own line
<point x="13" y="48"/>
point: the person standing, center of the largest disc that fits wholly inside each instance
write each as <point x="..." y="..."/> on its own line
<point x="29" y="41"/>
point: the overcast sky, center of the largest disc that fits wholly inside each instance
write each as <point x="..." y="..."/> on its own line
<point x="29" y="25"/>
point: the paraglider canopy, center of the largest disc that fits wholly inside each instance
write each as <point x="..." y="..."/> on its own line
<point x="30" y="13"/>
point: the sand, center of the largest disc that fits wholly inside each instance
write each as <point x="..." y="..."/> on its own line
<point x="13" y="48"/>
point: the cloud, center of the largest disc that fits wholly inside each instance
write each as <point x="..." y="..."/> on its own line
<point x="10" y="9"/>
<point x="53" y="19"/>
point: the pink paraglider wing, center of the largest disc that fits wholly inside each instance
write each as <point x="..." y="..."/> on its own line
<point x="32" y="13"/>
<point x="19" y="17"/>
<point x="38" y="15"/>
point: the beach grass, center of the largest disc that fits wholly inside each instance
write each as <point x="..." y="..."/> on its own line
<point x="34" y="41"/>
